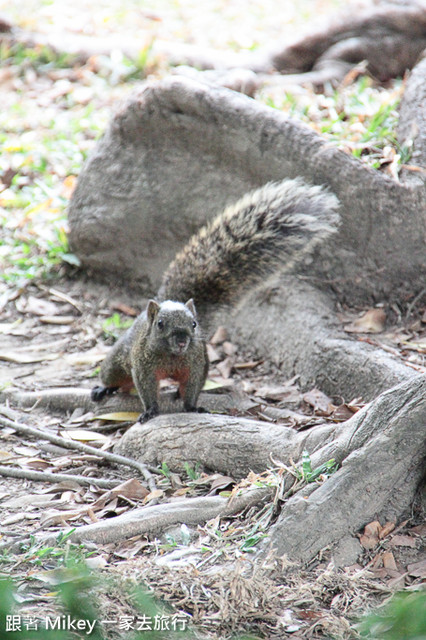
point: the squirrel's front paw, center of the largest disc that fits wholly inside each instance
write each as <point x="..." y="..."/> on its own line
<point x="148" y="414"/>
<point x="98" y="393"/>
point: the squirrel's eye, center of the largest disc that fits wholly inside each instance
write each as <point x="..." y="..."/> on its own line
<point x="194" y="324"/>
<point x="160" y="324"/>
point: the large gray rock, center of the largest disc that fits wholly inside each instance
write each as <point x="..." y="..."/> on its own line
<point x="178" y="151"/>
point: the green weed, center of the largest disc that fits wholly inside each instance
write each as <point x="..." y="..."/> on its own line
<point x="305" y="473"/>
<point x="402" y="618"/>
<point x="193" y="473"/>
<point x="115" y="325"/>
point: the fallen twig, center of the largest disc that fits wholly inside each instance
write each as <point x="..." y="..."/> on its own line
<point x="79" y="446"/>
<point x="47" y="476"/>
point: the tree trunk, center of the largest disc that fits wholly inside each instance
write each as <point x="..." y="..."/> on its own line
<point x="382" y="451"/>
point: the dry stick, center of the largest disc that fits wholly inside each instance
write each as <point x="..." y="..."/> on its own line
<point x="46" y="476"/>
<point x="71" y="444"/>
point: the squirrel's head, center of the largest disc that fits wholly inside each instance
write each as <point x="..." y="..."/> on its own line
<point x="172" y="325"/>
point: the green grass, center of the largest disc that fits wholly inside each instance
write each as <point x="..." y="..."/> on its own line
<point x="47" y="134"/>
<point x="40" y="57"/>
<point x="38" y="169"/>
<point x="360" y="118"/>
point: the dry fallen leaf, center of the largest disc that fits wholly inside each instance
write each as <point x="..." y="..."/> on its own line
<point x="417" y="569"/>
<point x="373" y="321"/>
<point x="158" y="493"/>
<point x="342" y="413"/>
<point x="318" y="401"/>
<point x="212" y="354"/>
<point x="33" y="499"/>
<point x="34" y="463"/>
<point x="118" y="416"/>
<point x="370" y="538"/>
<point x="225" y="367"/>
<point x="91" y="357"/>
<point x="57" y="320"/>
<point x="131" y="489"/>
<point x="400" y="540"/>
<point x="220" y="335"/>
<point x="27" y="357"/>
<point x="386" y="529"/>
<point x="229" y="348"/>
<point x="37" y="306"/>
<point x="251" y="364"/>
<point x="124" y="308"/>
<point x="220" y="482"/>
<point x="7" y="327"/>
<point x="278" y="392"/>
<point x="96" y="562"/>
<point x="83" y="435"/>
<point x="389" y="561"/>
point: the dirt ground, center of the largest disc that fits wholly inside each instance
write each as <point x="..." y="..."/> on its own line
<point x="54" y="333"/>
<point x="55" y="339"/>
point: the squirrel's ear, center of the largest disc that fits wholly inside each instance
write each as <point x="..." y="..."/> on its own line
<point x="190" y="305"/>
<point x="152" y="310"/>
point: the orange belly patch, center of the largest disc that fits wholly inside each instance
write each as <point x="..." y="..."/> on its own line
<point x="127" y="385"/>
<point x="178" y="375"/>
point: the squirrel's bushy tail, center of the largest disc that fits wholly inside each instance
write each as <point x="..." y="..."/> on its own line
<point x="266" y="231"/>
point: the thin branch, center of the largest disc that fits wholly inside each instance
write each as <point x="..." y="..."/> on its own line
<point x="46" y="476"/>
<point x="78" y="446"/>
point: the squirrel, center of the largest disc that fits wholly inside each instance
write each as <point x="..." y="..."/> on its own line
<point x="266" y="231"/>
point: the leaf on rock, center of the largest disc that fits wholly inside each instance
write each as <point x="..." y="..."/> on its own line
<point x="278" y="392"/>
